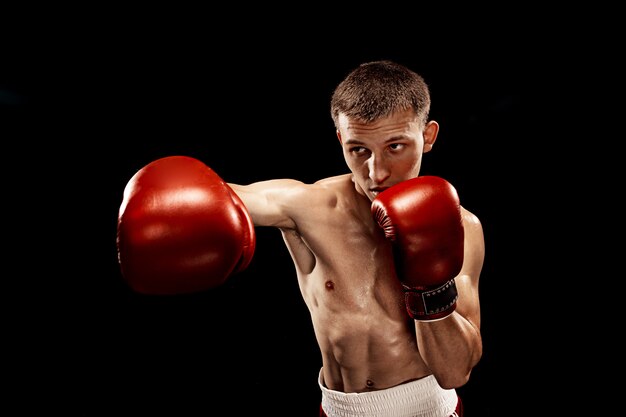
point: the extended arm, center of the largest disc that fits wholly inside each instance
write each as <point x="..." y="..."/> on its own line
<point x="271" y="202"/>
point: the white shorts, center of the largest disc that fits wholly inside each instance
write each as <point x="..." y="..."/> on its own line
<point x="420" y="398"/>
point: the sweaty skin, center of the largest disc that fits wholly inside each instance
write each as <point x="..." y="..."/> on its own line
<point x="345" y="267"/>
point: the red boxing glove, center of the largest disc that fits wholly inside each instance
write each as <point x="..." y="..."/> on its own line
<point x="181" y="229"/>
<point x="422" y="217"/>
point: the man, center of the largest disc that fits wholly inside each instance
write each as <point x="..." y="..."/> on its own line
<point x="388" y="262"/>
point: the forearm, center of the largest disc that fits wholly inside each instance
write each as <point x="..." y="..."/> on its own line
<point x="451" y="347"/>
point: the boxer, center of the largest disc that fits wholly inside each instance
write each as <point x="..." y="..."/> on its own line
<point x="388" y="261"/>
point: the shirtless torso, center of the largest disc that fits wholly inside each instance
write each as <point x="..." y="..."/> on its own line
<point x="346" y="274"/>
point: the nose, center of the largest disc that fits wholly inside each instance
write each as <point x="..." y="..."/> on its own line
<point x="379" y="169"/>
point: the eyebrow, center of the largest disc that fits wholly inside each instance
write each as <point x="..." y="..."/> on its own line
<point x="353" y="142"/>
<point x="358" y="142"/>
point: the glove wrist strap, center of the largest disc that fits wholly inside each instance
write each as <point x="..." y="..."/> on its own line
<point x="432" y="303"/>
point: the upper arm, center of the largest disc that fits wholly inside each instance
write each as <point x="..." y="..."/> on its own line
<point x="467" y="281"/>
<point x="272" y="202"/>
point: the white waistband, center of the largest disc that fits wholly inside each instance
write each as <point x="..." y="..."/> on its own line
<point x="420" y="398"/>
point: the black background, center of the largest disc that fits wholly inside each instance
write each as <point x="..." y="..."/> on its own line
<point x="85" y="105"/>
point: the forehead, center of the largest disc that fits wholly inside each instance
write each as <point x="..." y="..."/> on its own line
<point x="399" y="122"/>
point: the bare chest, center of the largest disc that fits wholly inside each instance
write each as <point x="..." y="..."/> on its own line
<point x="345" y="265"/>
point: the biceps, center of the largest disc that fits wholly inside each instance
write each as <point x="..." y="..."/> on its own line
<point x="265" y="205"/>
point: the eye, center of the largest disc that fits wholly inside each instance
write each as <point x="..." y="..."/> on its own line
<point x="358" y="150"/>
<point x="396" y="146"/>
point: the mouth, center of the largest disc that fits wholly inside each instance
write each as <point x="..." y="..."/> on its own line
<point x="377" y="190"/>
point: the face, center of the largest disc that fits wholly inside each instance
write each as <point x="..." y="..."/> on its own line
<point x="385" y="152"/>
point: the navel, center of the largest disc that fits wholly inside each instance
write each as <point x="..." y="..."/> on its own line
<point x="330" y="285"/>
<point x="369" y="383"/>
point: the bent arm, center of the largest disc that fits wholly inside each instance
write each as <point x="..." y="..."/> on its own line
<point x="451" y="347"/>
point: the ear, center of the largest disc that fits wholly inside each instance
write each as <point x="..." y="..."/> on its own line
<point x="430" y="135"/>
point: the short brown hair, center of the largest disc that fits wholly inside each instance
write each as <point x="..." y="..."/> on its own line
<point x="379" y="88"/>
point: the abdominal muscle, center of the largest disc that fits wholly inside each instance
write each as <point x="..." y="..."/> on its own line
<point x="366" y="350"/>
<point x="366" y="339"/>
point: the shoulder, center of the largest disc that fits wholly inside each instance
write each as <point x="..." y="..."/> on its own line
<point x="293" y="196"/>
<point x="325" y="191"/>
<point x="471" y="223"/>
<point x="306" y="203"/>
<point x="474" y="234"/>
<point x="470" y="219"/>
<point x="322" y="186"/>
<point x="338" y="183"/>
